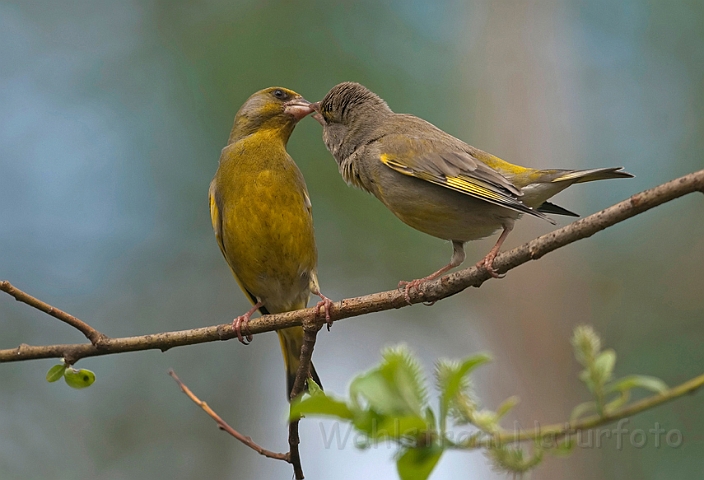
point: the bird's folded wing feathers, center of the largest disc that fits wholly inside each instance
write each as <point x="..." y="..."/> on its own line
<point x="215" y="217"/>
<point x="453" y="169"/>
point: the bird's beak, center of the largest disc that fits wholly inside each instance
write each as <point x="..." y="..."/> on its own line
<point x="298" y="108"/>
<point x="317" y="116"/>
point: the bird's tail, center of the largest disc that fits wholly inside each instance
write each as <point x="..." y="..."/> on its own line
<point x="551" y="182"/>
<point x="581" y="176"/>
<point x="291" y="341"/>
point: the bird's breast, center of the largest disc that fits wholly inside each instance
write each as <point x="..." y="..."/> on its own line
<point x="436" y="210"/>
<point x="267" y="230"/>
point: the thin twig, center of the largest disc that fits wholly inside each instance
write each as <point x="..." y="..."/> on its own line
<point x="310" y="331"/>
<point x="96" y="338"/>
<point x="430" y="292"/>
<point x="559" y="430"/>
<point x="293" y="441"/>
<point x="222" y="425"/>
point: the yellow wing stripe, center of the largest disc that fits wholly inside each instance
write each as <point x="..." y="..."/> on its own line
<point x="465" y="185"/>
<point x="462" y="184"/>
<point x="386" y="160"/>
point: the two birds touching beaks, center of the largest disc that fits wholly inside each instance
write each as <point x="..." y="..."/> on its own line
<point x="432" y="181"/>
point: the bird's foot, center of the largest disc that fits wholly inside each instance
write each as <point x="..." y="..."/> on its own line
<point x="326" y="304"/>
<point x="239" y="324"/>
<point x="457" y="259"/>
<point x="487" y="263"/>
<point x="407" y="286"/>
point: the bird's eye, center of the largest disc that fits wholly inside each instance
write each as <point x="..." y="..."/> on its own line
<point x="280" y="94"/>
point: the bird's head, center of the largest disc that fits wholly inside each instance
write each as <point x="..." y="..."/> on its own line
<point x="348" y="113"/>
<point x="274" y="108"/>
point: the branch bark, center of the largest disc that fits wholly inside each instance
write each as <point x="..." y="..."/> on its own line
<point x="310" y="331"/>
<point x="560" y="430"/>
<point x="431" y="292"/>
<point x="96" y="338"/>
<point x="223" y="425"/>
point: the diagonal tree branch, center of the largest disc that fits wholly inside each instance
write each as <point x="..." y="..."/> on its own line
<point x="433" y="291"/>
<point x="310" y="331"/>
<point x="223" y="425"/>
<point x="95" y="337"/>
<point x="559" y="430"/>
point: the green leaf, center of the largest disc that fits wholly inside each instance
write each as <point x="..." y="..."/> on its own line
<point x="514" y="459"/>
<point x="604" y="365"/>
<point x="506" y="406"/>
<point x="319" y="404"/>
<point x="653" y="384"/>
<point x="395" y="387"/>
<point x="617" y="402"/>
<point x="418" y="463"/>
<point x="582" y="409"/>
<point x="55" y="373"/>
<point x="378" y="393"/>
<point x="314" y="388"/>
<point x="430" y="418"/>
<point x="585" y="377"/>
<point x="467" y="365"/>
<point x="564" y="448"/>
<point x="79" y="378"/>
<point x="367" y="422"/>
<point x="586" y="344"/>
<point x="402" y="370"/>
<point x="408" y="430"/>
<point x="486" y="420"/>
<point x="452" y="383"/>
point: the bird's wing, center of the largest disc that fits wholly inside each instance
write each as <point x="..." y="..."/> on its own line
<point x="452" y="168"/>
<point x="215" y="217"/>
<point x="306" y="198"/>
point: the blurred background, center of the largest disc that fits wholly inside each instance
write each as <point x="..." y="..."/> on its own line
<point x="112" y="118"/>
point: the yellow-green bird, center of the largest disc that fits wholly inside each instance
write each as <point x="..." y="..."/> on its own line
<point x="261" y="214"/>
<point x="433" y="181"/>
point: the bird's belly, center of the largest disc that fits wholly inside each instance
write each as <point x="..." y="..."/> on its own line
<point x="270" y="244"/>
<point x="442" y="212"/>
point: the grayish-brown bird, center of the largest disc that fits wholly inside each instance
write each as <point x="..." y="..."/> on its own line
<point x="433" y="181"/>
